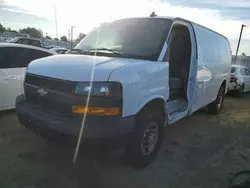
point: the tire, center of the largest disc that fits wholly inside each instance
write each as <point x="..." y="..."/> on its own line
<point x="137" y="155"/>
<point x="215" y="107"/>
<point x="238" y="93"/>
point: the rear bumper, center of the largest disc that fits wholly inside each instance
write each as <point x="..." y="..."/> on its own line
<point x="233" y="86"/>
<point x="51" y="125"/>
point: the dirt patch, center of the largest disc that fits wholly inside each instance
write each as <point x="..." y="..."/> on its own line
<point x="199" y="151"/>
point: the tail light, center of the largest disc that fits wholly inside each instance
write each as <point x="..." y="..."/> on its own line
<point x="233" y="79"/>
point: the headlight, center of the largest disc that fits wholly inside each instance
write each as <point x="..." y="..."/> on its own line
<point x="112" y="89"/>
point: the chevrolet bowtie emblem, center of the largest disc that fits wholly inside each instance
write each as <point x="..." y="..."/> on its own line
<point x="42" y="92"/>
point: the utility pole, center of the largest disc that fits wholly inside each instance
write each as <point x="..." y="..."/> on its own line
<point x="55" y="22"/>
<point x="72" y="27"/>
<point x="242" y="27"/>
<point x="68" y="34"/>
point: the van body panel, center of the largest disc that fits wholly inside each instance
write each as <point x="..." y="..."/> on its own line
<point x="214" y="64"/>
<point x="77" y="67"/>
<point x="142" y="82"/>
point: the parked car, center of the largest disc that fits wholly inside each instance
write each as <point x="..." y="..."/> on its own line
<point x="51" y="46"/>
<point x="2" y="39"/>
<point x="14" y="59"/>
<point x="27" y="41"/>
<point x="59" y="50"/>
<point x="239" y="80"/>
<point x="128" y="84"/>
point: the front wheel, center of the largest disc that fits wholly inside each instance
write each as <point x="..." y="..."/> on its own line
<point x="215" y="107"/>
<point x="146" y="139"/>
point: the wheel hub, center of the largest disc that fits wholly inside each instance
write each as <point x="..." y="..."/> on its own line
<point x="150" y="138"/>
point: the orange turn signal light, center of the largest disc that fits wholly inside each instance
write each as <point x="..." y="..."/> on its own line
<point x="95" y="110"/>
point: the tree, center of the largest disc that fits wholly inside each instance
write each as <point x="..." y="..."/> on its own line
<point x="80" y="36"/>
<point x="48" y="37"/>
<point x="56" y="39"/>
<point x="64" y="39"/>
<point x="33" y="32"/>
<point x="2" y="28"/>
<point x="243" y="54"/>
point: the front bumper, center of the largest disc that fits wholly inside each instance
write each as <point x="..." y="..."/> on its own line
<point x="51" y="125"/>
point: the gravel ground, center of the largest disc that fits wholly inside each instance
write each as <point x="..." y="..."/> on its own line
<point x="199" y="151"/>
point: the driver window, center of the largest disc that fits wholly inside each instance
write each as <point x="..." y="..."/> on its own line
<point x="167" y="56"/>
<point x="244" y="72"/>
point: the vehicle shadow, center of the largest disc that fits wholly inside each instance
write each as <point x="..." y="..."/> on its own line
<point x="7" y="112"/>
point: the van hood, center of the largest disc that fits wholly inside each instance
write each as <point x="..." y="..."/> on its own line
<point x="76" y="67"/>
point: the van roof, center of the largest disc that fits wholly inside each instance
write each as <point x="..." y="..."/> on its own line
<point x="177" y="18"/>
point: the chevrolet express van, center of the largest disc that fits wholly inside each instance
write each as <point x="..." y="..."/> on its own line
<point x="127" y="79"/>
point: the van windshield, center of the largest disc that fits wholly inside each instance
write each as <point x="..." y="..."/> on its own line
<point x="140" y="38"/>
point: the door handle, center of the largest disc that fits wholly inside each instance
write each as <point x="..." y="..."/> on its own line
<point x="10" y="78"/>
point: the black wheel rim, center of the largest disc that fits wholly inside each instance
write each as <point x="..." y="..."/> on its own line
<point x="150" y="138"/>
<point x="220" y="99"/>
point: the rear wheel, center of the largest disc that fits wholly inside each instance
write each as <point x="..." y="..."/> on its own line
<point x="215" y="107"/>
<point x="146" y="139"/>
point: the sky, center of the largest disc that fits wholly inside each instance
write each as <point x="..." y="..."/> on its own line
<point x="225" y="17"/>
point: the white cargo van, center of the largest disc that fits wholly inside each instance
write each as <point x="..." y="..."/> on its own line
<point x="140" y="74"/>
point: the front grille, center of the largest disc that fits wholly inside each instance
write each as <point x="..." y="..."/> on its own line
<point x="52" y="105"/>
<point x="56" y="100"/>
<point x="50" y="83"/>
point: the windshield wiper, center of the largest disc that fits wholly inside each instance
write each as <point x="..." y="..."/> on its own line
<point x="106" y="49"/>
<point x="79" y="51"/>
